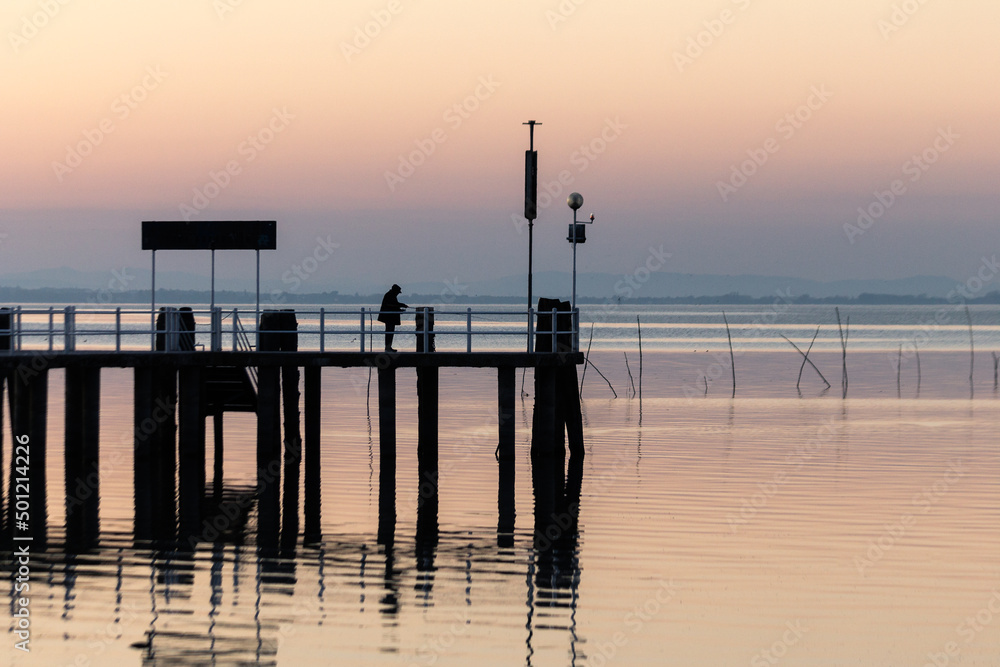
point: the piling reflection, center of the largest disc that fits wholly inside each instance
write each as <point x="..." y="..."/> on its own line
<point x="554" y="565"/>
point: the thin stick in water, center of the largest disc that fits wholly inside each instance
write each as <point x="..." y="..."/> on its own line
<point x="918" y="368"/>
<point x="586" y="359"/>
<point x="630" y="379"/>
<point x="996" y="366"/>
<point x="899" y="371"/>
<point x="972" y="353"/>
<point x="843" y="346"/>
<point x="639" y="324"/>
<point x="807" y="359"/>
<point x="705" y="378"/>
<point x="732" y="357"/>
<point x="605" y="378"/>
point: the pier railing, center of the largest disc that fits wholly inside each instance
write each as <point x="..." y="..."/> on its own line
<point x="168" y="329"/>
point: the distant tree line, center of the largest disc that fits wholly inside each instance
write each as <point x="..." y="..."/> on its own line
<point x="76" y="295"/>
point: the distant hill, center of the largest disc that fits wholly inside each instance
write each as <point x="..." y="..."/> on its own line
<point x="673" y="285"/>
<point x="548" y="283"/>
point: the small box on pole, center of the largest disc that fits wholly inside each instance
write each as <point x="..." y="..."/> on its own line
<point x="530" y="185"/>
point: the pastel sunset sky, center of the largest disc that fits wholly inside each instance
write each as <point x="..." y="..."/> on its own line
<point x="742" y="135"/>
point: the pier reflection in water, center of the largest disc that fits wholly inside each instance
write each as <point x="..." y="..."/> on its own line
<point x="223" y="598"/>
<point x="224" y="565"/>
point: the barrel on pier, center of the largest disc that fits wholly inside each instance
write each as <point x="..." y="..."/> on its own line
<point x="557" y="394"/>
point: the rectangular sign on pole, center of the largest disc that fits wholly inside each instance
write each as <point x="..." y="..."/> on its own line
<point x="530" y="185"/>
<point x="210" y="235"/>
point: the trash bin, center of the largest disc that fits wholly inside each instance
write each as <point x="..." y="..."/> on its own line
<point x="184" y="329"/>
<point x="563" y="342"/>
<point x="186" y="341"/>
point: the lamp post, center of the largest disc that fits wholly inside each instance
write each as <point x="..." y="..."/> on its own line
<point x="577" y="233"/>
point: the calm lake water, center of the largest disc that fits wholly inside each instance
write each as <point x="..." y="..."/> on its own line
<point x="785" y="526"/>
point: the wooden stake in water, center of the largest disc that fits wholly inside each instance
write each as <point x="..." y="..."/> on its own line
<point x="996" y="367"/>
<point x="732" y="357"/>
<point x="630" y="379"/>
<point x="805" y="358"/>
<point x="603" y="376"/>
<point x="844" y="333"/>
<point x="586" y="359"/>
<point x="972" y="353"/>
<point x="639" y="324"/>
<point x="899" y="371"/>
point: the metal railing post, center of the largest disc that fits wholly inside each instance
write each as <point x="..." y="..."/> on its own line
<point x="118" y="329"/>
<point x="322" y="329"/>
<point x="171" y="342"/>
<point x="427" y="329"/>
<point x="236" y="330"/>
<point x="531" y="330"/>
<point x="216" y="337"/>
<point x="362" y="329"/>
<point x="69" y="328"/>
<point x="52" y="326"/>
<point x="468" y="330"/>
<point x="576" y="329"/>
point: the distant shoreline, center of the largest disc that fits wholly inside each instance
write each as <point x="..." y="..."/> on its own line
<point x="71" y="295"/>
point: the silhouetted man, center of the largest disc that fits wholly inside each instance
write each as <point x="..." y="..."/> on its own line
<point x="389" y="315"/>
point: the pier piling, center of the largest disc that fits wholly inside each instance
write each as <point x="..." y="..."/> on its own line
<point x="29" y="390"/>
<point x="82" y="453"/>
<point x="506" y="393"/>
<point x="293" y="435"/>
<point x="191" y="473"/>
<point x="387" y="454"/>
<point x="313" y="498"/>
<point x="427" y="423"/>
<point x="154" y="452"/>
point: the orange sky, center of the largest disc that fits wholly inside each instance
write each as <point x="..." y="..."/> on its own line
<point x="334" y="112"/>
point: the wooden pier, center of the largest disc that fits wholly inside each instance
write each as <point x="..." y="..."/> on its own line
<point x="176" y="390"/>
